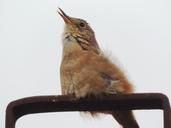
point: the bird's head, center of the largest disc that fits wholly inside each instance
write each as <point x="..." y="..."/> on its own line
<point x="75" y="26"/>
<point x="79" y="29"/>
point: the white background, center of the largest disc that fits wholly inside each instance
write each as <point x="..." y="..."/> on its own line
<point x="137" y="32"/>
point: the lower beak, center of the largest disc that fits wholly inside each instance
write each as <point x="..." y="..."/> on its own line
<point x="66" y="18"/>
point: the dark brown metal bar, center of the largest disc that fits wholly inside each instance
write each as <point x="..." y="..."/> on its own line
<point x="42" y="104"/>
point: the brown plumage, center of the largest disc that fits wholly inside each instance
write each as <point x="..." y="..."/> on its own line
<point x="86" y="71"/>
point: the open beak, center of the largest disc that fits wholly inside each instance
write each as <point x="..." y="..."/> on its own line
<point x="66" y="18"/>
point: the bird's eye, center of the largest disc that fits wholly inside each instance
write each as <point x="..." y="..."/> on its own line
<point x="82" y="24"/>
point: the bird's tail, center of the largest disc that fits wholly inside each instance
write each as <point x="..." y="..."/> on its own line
<point x="125" y="118"/>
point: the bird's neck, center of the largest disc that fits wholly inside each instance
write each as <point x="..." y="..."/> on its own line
<point x="73" y="43"/>
<point x="70" y="44"/>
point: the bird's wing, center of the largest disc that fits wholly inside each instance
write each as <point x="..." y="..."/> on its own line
<point x="110" y="74"/>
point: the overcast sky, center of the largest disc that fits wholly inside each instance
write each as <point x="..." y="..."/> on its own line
<point x="136" y="32"/>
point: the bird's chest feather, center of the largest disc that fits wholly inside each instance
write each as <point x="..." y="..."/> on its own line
<point x="72" y="67"/>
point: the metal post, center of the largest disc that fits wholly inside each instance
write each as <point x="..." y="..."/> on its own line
<point x="42" y="104"/>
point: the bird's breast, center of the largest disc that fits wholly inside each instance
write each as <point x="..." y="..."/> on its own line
<point x="71" y="66"/>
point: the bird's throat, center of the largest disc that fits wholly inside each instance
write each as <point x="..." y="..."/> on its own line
<point x="70" y="40"/>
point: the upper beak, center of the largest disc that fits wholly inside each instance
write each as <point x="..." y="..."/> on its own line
<point x="66" y="18"/>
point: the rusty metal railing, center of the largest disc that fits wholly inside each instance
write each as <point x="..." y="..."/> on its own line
<point x="42" y="104"/>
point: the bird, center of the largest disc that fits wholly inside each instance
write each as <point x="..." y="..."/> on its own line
<point x="85" y="70"/>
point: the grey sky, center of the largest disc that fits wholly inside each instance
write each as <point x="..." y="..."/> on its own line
<point x="136" y="32"/>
